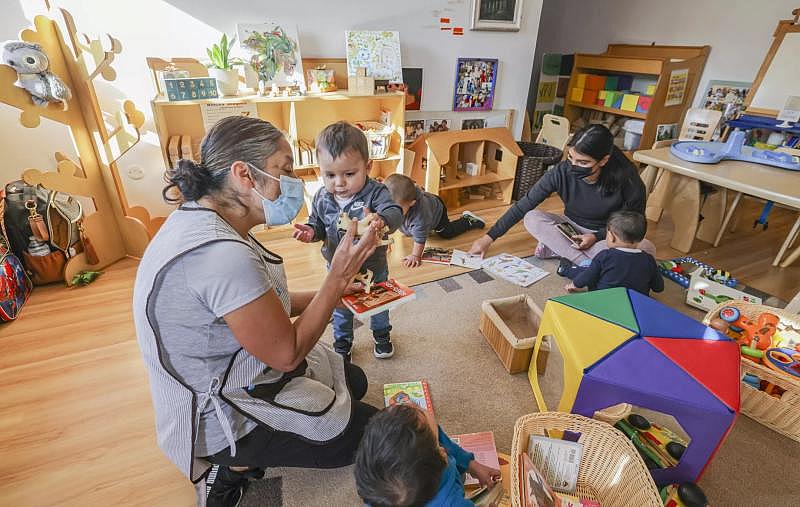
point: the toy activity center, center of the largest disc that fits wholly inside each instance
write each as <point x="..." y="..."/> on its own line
<point x="575" y="253"/>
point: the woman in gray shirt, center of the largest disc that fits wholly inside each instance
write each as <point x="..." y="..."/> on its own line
<point x="237" y="386"/>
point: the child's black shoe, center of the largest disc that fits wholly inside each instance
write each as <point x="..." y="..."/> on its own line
<point x="383" y="350"/>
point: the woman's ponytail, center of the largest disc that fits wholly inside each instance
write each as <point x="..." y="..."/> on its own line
<point x="191" y="179"/>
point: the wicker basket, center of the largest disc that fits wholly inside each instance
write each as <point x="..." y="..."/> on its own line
<point x="611" y="470"/>
<point x="780" y="414"/>
<point x="510" y="325"/>
<point x="531" y="166"/>
<point x="378" y="137"/>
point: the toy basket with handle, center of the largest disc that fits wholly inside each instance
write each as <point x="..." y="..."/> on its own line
<point x="611" y="470"/>
<point x="535" y="160"/>
<point x="782" y="413"/>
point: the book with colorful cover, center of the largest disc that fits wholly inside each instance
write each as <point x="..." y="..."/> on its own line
<point x="464" y="259"/>
<point x="381" y="297"/>
<point x="416" y="392"/>
<point x="483" y="447"/>
<point x="566" y="500"/>
<point x="436" y="255"/>
<point x="534" y="489"/>
<point x="559" y="460"/>
<point x="513" y="269"/>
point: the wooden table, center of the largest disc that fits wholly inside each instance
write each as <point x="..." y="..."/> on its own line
<point x="680" y="194"/>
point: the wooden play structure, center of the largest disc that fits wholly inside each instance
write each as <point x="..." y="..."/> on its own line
<point x="655" y="62"/>
<point x="101" y="137"/>
<point x="472" y="169"/>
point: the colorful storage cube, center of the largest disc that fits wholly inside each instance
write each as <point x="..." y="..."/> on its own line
<point x="594" y="82"/>
<point x="644" y="104"/>
<point x="576" y="95"/>
<point x="629" y="102"/>
<point x="611" y="82"/>
<point x="601" y="97"/>
<point x="651" y="90"/>
<point x="624" y="83"/>
<point x="580" y="81"/>
<point x="612" y="97"/>
<point x="618" y="100"/>
<point x="589" y="97"/>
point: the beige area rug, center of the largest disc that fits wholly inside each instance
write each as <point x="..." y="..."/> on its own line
<point x="436" y="337"/>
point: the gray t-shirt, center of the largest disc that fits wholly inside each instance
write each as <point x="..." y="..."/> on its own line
<point x="423" y="217"/>
<point x="196" y="291"/>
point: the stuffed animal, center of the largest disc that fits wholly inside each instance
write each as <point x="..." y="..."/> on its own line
<point x="33" y="74"/>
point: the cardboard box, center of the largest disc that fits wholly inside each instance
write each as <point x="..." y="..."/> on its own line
<point x="594" y="82"/>
<point x="589" y="97"/>
<point x="576" y="95"/>
<point x="644" y="103"/>
<point x="629" y="102"/>
<point x="707" y="294"/>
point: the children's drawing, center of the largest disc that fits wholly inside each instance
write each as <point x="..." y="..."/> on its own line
<point x="376" y="51"/>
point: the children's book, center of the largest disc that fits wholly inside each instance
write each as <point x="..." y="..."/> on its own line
<point x="464" y="259"/>
<point x="486" y="497"/>
<point x="534" y="489"/>
<point x="514" y="270"/>
<point x="574" y="501"/>
<point x="436" y="255"/>
<point x="483" y="447"/>
<point x="408" y="392"/>
<point x="568" y="231"/>
<point x="381" y="297"/>
<point x="559" y="460"/>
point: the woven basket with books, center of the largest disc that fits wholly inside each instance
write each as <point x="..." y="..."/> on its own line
<point x="780" y="413"/>
<point x="611" y="471"/>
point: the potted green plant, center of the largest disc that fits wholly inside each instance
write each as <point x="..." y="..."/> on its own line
<point x="222" y="66"/>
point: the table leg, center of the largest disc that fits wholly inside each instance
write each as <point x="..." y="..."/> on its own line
<point x="684" y="207"/>
<point x="662" y="190"/>
<point x="713" y="211"/>
<point x="649" y="176"/>
<point x="727" y="218"/>
<point x="789" y="239"/>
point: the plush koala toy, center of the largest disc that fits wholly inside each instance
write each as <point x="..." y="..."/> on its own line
<point x="32" y="64"/>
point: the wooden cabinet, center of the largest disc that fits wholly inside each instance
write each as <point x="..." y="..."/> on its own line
<point x="656" y="63"/>
<point x="471" y="169"/>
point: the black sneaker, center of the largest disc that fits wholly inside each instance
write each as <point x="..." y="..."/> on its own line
<point x="475" y="222"/>
<point x="225" y="488"/>
<point x="383" y="350"/>
<point x="565" y="267"/>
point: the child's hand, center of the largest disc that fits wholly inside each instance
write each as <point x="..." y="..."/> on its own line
<point x="487" y="476"/>
<point x="376" y="219"/>
<point x="411" y="261"/>
<point x="303" y="232"/>
<point x="570" y="287"/>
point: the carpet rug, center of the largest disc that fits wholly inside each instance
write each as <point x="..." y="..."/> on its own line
<point x="436" y="337"/>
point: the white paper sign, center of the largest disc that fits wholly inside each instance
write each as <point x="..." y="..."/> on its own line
<point x="212" y="113"/>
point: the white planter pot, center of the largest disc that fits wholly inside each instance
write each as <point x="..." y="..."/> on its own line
<point x="227" y="81"/>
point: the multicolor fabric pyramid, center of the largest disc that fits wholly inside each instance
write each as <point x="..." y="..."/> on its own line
<point x="619" y="346"/>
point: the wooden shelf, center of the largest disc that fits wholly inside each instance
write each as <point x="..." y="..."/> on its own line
<point x="620" y="112"/>
<point x="337" y="95"/>
<point x="614" y="63"/>
<point x="393" y="157"/>
<point x="469" y="181"/>
<point x="476" y="205"/>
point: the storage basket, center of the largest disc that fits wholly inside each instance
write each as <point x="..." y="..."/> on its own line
<point x="779" y="414"/>
<point x="510" y="325"/>
<point x="611" y="470"/>
<point x="535" y="160"/>
<point x="378" y="137"/>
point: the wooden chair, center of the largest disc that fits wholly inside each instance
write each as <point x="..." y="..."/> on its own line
<point x="554" y="132"/>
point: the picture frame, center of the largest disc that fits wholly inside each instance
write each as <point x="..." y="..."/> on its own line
<point x="475" y="84"/>
<point x="496" y="15"/>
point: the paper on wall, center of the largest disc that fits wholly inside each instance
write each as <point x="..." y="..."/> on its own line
<point x="212" y="113"/>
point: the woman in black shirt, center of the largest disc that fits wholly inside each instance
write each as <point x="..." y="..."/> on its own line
<point x="595" y="180"/>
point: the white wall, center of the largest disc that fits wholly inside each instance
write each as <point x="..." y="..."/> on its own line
<point x="186" y="27"/>
<point x="738" y="31"/>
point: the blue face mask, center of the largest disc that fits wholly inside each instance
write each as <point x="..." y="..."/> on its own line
<point x="285" y="208"/>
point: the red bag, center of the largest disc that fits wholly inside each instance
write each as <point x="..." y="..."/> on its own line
<point x="15" y="286"/>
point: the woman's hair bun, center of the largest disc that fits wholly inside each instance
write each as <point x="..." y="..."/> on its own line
<point x="192" y="180"/>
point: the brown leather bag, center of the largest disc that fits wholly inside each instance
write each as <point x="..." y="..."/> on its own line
<point x="46" y="268"/>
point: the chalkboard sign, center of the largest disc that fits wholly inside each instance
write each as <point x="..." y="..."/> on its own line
<point x="191" y="88"/>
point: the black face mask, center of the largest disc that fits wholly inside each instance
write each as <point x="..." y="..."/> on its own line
<point x="580" y="172"/>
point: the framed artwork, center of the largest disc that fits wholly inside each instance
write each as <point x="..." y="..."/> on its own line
<point x="475" y="81"/>
<point x="273" y="50"/>
<point x="501" y="15"/>
<point x="414" y="129"/>
<point x="666" y="131"/>
<point x="727" y="97"/>
<point x="477" y="123"/>
<point x="412" y="78"/>
<point x="376" y="51"/>
<point x="437" y="125"/>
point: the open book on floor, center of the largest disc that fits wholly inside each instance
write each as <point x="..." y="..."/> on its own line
<point x="381" y="297"/>
<point x="451" y="256"/>
<point x="416" y="392"/>
<point x="513" y="269"/>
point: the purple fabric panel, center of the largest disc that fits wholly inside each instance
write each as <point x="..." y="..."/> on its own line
<point x="660" y="321"/>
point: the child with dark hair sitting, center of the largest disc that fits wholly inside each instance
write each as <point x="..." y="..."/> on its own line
<point x="406" y="460"/>
<point x="623" y="264"/>
<point x="424" y="213"/>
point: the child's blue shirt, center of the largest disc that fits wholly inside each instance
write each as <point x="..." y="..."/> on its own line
<point x="451" y="486"/>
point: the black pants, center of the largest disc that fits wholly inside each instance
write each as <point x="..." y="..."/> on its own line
<point x="447" y="229"/>
<point x="263" y="448"/>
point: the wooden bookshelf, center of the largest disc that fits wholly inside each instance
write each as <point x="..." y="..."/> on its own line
<point x="654" y="62"/>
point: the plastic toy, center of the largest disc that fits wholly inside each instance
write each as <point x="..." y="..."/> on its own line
<point x="618" y="346"/>
<point x="687" y="494"/>
<point x="678" y="271"/>
<point x="705" y="152"/>
<point x="659" y="447"/>
<point x="716" y="298"/>
<point x="783" y="360"/>
<point x="758" y="334"/>
<point x="366" y="279"/>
